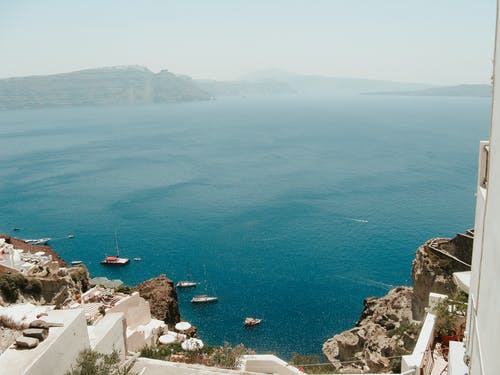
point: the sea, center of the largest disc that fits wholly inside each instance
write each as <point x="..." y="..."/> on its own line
<point x="289" y="209"/>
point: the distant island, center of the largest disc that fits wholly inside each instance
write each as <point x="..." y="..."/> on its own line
<point x="127" y="85"/>
<point x="122" y="85"/>
<point x="483" y="91"/>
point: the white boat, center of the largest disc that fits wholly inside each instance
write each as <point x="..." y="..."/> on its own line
<point x="76" y="262"/>
<point x="71" y="236"/>
<point x="115" y="260"/>
<point x="186" y="284"/>
<point x="137" y="259"/>
<point x="38" y="241"/>
<point x="251" y="322"/>
<point x="204" y="299"/>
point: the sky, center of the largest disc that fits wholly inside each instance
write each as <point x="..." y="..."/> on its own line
<point x="427" y="41"/>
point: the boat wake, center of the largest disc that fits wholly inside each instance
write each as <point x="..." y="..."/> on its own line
<point x="368" y="282"/>
<point x="357" y="220"/>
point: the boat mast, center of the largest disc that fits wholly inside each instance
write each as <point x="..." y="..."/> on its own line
<point x="116" y="246"/>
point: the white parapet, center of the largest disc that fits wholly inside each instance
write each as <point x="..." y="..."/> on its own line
<point x="421" y="358"/>
<point x="108" y="335"/>
<point x="456" y="364"/>
<point x="56" y="353"/>
<point x="268" y="364"/>
<point x="462" y="280"/>
<point x="148" y="366"/>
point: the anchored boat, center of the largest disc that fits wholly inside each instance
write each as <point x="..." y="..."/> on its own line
<point x="251" y="322"/>
<point x="38" y="241"/>
<point x="204" y="299"/>
<point x="115" y="260"/>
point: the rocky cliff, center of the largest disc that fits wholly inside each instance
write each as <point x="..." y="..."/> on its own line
<point x="383" y="331"/>
<point x="57" y="284"/>
<point x="162" y="297"/>
<point x="48" y="286"/>
<point x="388" y="326"/>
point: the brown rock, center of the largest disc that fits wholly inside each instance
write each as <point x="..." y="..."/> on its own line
<point x="37" y="333"/>
<point x="368" y="344"/>
<point x="162" y="297"/>
<point x="26" y="342"/>
<point x="43" y="324"/>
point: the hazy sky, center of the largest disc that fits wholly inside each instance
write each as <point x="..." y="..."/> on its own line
<point x="430" y="41"/>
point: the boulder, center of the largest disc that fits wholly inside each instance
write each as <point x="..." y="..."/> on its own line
<point x="162" y="297"/>
<point x="37" y="333"/>
<point x="24" y="342"/>
<point x="43" y="324"/>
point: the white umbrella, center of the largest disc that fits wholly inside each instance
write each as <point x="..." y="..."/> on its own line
<point x="167" y="339"/>
<point x="192" y="344"/>
<point x="182" y="326"/>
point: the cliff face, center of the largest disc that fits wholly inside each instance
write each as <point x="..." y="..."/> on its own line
<point x="368" y="345"/>
<point x="385" y="327"/>
<point x="433" y="267"/>
<point x="162" y="297"/>
<point x="48" y="286"/>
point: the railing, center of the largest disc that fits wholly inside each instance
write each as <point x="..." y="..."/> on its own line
<point x="484" y="162"/>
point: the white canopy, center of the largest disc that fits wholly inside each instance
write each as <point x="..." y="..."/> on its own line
<point x="192" y="344"/>
<point x="182" y="326"/>
<point x="166" y="339"/>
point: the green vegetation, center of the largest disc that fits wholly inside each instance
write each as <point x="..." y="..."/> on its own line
<point x="80" y="276"/>
<point x="123" y="289"/>
<point x="94" y="363"/>
<point x="312" y="364"/>
<point x="396" y="360"/>
<point x="227" y="356"/>
<point x="411" y="329"/>
<point x="11" y="285"/>
<point x="449" y="313"/>
<point x="224" y="356"/>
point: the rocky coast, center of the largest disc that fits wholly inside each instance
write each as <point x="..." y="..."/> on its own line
<point x="388" y="326"/>
<point x="55" y="283"/>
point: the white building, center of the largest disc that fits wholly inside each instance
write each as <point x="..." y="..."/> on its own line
<point x="479" y="354"/>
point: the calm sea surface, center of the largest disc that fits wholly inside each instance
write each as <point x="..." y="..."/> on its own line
<point x="269" y="195"/>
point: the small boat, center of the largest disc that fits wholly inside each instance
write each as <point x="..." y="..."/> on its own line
<point x="186" y="284"/>
<point x="71" y="236"/>
<point x="137" y="259"/>
<point x="38" y="241"/>
<point x="204" y="299"/>
<point x="115" y="260"/>
<point x="76" y="262"/>
<point x="16" y="229"/>
<point x="252" y="322"/>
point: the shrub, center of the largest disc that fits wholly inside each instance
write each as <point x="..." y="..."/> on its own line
<point x="123" y="289"/>
<point x="411" y="329"/>
<point x="312" y="363"/>
<point x="13" y="284"/>
<point x="226" y="356"/>
<point x="34" y="288"/>
<point x="449" y="312"/>
<point x="90" y="362"/>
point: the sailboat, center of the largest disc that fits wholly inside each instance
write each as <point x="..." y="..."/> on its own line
<point x="115" y="260"/>
<point x="204" y="298"/>
<point x="186" y="284"/>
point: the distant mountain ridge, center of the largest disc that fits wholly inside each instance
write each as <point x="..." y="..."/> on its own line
<point x="474" y="90"/>
<point x="111" y="85"/>
<point x="133" y="84"/>
<point x="308" y="84"/>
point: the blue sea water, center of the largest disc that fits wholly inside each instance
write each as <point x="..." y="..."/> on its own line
<point x="269" y="195"/>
